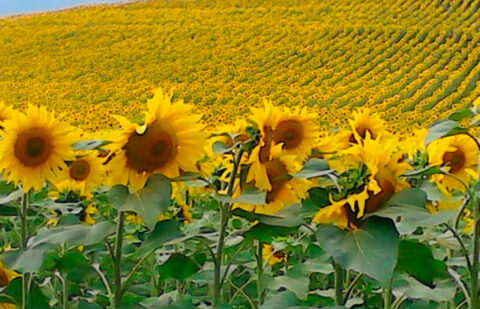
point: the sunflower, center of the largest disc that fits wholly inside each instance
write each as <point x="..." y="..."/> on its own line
<point x="83" y="175"/>
<point x="6" y="112"/>
<point x="231" y="134"/>
<point x="34" y="147"/>
<point x="365" y="121"/>
<point x="385" y="167"/>
<point x="458" y="154"/>
<point x="170" y="141"/>
<point x="266" y="120"/>
<point x="273" y="257"/>
<point x="297" y="132"/>
<point x="284" y="190"/>
<point x="86" y="214"/>
<point x="415" y="142"/>
<point x="6" y="275"/>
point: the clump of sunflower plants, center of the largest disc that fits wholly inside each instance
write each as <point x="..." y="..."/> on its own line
<point x="268" y="212"/>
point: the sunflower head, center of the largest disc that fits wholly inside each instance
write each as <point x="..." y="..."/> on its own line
<point x="281" y="188"/>
<point x="6" y="275"/>
<point x="170" y="141"/>
<point x="384" y="167"/>
<point x="296" y="131"/>
<point x="83" y="175"/>
<point x="35" y="147"/>
<point x="364" y="122"/>
<point x="6" y="113"/>
<point x="458" y="154"/>
<point x="273" y="256"/>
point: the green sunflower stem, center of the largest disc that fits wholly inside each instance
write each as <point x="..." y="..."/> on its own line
<point x="24" y="240"/>
<point x="476" y="252"/>
<point x="224" y="217"/>
<point x="225" y="213"/>
<point x="387" y="296"/>
<point x="259" y="272"/>
<point x="117" y="260"/>
<point x="338" y="273"/>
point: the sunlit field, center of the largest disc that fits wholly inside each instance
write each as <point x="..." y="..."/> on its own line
<point x="241" y="154"/>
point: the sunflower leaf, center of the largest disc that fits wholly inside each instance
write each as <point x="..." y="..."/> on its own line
<point x="11" y="197"/>
<point x="417" y="260"/>
<point x="90" y="144"/>
<point x="148" y="203"/>
<point x="314" y="168"/>
<point x="278" y="219"/>
<point x="371" y="249"/>
<point x="461" y="114"/>
<point x="28" y="261"/>
<point x="407" y="209"/>
<point x="220" y="147"/>
<point x="443" y="129"/>
<point x="249" y="196"/>
<point x="444" y="290"/>
<point x="78" y="234"/>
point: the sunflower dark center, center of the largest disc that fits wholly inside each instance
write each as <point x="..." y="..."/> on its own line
<point x="455" y="159"/>
<point x="33" y="147"/>
<point x="375" y="202"/>
<point x="362" y="132"/>
<point x="278" y="176"/>
<point x="153" y="149"/>
<point x="3" y="278"/>
<point x="80" y="170"/>
<point x="264" y="153"/>
<point x="290" y="133"/>
<point x="279" y="254"/>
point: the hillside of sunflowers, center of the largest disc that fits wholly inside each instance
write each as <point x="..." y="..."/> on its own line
<point x="241" y="154"/>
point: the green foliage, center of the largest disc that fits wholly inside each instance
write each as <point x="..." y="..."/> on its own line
<point x="371" y="249"/>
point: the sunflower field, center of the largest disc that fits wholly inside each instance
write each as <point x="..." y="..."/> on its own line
<point x="241" y="154"/>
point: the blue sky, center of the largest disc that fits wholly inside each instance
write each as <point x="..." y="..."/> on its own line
<point x="9" y="7"/>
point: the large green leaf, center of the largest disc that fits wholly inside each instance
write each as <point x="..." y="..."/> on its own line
<point x="266" y="233"/>
<point x="90" y="144"/>
<point x="251" y="196"/>
<point x="407" y="209"/>
<point x="371" y="249"/>
<point x="163" y="232"/>
<point x="417" y="260"/>
<point x="461" y="114"/>
<point x="11" y="197"/>
<point x="444" y="290"/>
<point x="285" y="299"/>
<point x="314" y="168"/>
<point x="26" y="261"/>
<point x="178" y="266"/>
<point x="148" y="203"/>
<point x="296" y="284"/>
<point x="279" y="219"/>
<point x="442" y="129"/>
<point x="78" y="234"/>
<point x="36" y="298"/>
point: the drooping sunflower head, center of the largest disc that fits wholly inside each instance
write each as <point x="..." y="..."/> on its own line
<point x="385" y="166"/>
<point x="266" y="120"/>
<point x="297" y="132"/>
<point x="415" y="142"/>
<point x="35" y="147"/>
<point x="231" y="134"/>
<point x="83" y="175"/>
<point x="458" y="154"/>
<point x="273" y="256"/>
<point x="6" y="112"/>
<point x="283" y="189"/>
<point x="170" y="141"/>
<point x="364" y="122"/>
<point x="6" y="275"/>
